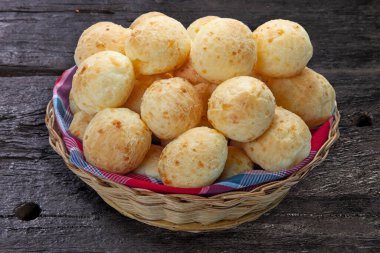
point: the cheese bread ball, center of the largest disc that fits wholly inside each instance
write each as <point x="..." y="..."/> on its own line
<point x="204" y="91"/>
<point x="170" y="107"/>
<point x="283" y="48"/>
<point x="141" y="84"/>
<point x="223" y="48"/>
<point x="196" y="26"/>
<point x="73" y="106"/>
<point x="188" y="72"/>
<point x="116" y="140"/>
<point x="144" y="17"/>
<point x="309" y="95"/>
<point x="242" y="108"/>
<point x="79" y="124"/>
<point x="103" y="80"/>
<point x="100" y="37"/>
<point x="149" y="166"/>
<point x="159" y="45"/>
<point x="285" y="144"/>
<point x="194" y="159"/>
<point x="237" y="162"/>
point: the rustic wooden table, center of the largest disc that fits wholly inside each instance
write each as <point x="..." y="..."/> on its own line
<point x="336" y="208"/>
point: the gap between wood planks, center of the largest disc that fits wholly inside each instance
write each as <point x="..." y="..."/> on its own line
<point x="20" y="71"/>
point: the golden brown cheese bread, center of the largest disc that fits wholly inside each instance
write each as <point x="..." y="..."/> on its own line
<point x="158" y="45"/>
<point x="103" y="80"/>
<point x="116" y="140"/>
<point x="242" y="108"/>
<point x="237" y="163"/>
<point x="223" y="48"/>
<point x="309" y="95"/>
<point x="101" y="36"/>
<point x="170" y="107"/>
<point x="79" y="124"/>
<point x="283" y="48"/>
<point x="194" y="159"/>
<point x="285" y="144"/>
<point x="149" y="166"/>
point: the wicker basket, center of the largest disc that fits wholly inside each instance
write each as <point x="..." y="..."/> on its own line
<point x="183" y="212"/>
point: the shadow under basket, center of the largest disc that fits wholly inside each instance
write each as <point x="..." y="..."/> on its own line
<point x="191" y="213"/>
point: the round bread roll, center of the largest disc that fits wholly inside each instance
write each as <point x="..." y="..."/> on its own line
<point x="141" y="84"/>
<point x="159" y="45"/>
<point x="73" y="106"/>
<point x="285" y="144"/>
<point x="242" y="108"/>
<point x="116" y="140"/>
<point x="99" y="37"/>
<point x="103" y="80"/>
<point x="170" y="107"/>
<point x="196" y="26"/>
<point x="79" y="124"/>
<point x="223" y="48"/>
<point x="309" y="95"/>
<point x="149" y="166"/>
<point x="194" y="159"/>
<point x="204" y="91"/>
<point x="237" y="162"/>
<point x="144" y="17"/>
<point x="188" y="72"/>
<point x="283" y="48"/>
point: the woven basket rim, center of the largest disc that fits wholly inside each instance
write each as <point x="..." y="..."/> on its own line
<point x="332" y="137"/>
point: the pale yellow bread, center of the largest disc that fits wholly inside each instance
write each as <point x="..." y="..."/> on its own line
<point x="223" y="48"/>
<point x="283" y="48"/>
<point x="188" y="72"/>
<point x="309" y="95"/>
<point x="141" y="84"/>
<point x="197" y="25"/>
<point x="73" y="106"/>
<point x="101" y="36"/>
<point x="170" y="107"/>
<point x="285" y="144"/>
<point x="144" y="17"/>
<point x="149" y="166"/>
<point x="103" y="80"/>
<point x="194" y="159"/>
<point x="158" y="45"/>
<point x="242" y="108"/>
<point x="237" y="163"/>
<point x="204" y="91"/>
<point x="116" y="140"/>
<point x="79" y="124"/>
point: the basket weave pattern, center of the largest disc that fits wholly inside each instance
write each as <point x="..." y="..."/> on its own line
<point x="183" y="212"/>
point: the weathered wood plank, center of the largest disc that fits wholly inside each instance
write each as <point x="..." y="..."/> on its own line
<point x="335" y="208"/>
<point x="39" y="37"/>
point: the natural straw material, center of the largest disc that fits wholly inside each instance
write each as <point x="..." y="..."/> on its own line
<point x="190" y="213"/>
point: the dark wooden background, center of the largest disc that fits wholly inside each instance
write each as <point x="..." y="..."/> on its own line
<point x="336" y="208"/>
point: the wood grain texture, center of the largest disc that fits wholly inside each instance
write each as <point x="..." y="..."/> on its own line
<point x="39" y="37"/>
<point x="335" y="208"/>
